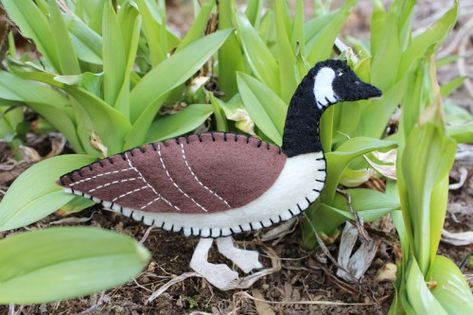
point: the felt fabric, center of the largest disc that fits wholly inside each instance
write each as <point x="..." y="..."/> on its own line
<point x="329" y="82"/>
<point x="205" y="173"/>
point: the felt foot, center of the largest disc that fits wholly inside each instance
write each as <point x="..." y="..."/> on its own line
<point x="246" y="260"/>
<point x="221" y="276"/>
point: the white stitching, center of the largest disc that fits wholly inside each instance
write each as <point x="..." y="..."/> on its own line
<point x="197" y="179"/>
<point x="129" y="193"/>
<point x="99" y="175"/>
<point x="148" y="184"/>
<point x="112" y="183"/>
<point x="151" y="202"/>
<point x="174" y="183"/>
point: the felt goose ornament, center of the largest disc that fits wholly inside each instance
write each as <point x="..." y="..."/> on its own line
<point x="214" y="185"/>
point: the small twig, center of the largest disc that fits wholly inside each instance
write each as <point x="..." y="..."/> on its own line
<point x="170" y="283"/>
<point x="73" y="220"/>
<point x="94" y="308"/>
<point x="358" y="219"/>
<point x="248" y="296"/>
<point x="145" y="236"/>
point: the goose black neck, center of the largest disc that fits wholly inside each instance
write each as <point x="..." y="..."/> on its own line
<point x="301" y="132"/>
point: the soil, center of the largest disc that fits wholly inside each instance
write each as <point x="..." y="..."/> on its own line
<point x="304" y="276"/>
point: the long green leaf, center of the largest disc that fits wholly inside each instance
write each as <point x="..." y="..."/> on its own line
<point x="173" y="71"/>
<point x="59" y="263"/>
<point x="259" y="57"/>
<point x="433" y="35"/>
<point x="109" y="124"/>
<point x="427" y="159"/>
<point x="199" y="24"/>
<point x="451" y="289"/>
<point x="285" y="54"/>
<point x="87" y="43"/>
<point x="178" y="124"/>
<point x="419" y="295"/>
<point x="26" y="201"/>
<point x="338" y="160"/>
<point x="49" y="103"/>
<point x="230" y="59"/>
<point x="34" y="24"/>
<point x="321" y="44"/>
<point x="65" y="52"/>
<point x="266" y="109"/>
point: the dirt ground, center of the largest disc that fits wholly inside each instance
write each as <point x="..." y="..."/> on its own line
<point x="306" y="283"/>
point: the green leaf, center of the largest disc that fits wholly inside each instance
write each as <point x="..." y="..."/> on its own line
<point x="93" y="13"/>
<point x="451" y="289"/>
<point x="86" y="42"/>
<point x="65" y="52"/>
<point x="452" y="86"/>
<point x="110" y="125"/>
<point x="34" y="24"/>
<point x="59" y="263"/>
<point x="172" y="72"/>
<point x="253" y="12"/>
<point x="114" y="58"/>
<point x="259" y="57"/>
<point x="230" y="59"/>
<point x="384" y="75"/>
<point x="199" y="25"/>
<point x="419" y="295"/>
<point x="461" y="133"/>
<point x="433" y="35"/>
<point x="26" y="201"/>
<point x="186" y="120"/>
<point x="320" y="45"/>
<point x="425" y="162"/>
<point x="266" y="109"/>
<point x="369" y="204"/>
<point x="338" y="160"/>
<point x="218" y="108"/>
<point x="153" y="30"/>
<point x="77" y="204"/>
<point x="285" y="55"/>
<point x="49" y="103"/>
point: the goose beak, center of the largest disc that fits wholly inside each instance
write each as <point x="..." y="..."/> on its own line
<point x="369" y="91"/>
<point x="358" y="90"/>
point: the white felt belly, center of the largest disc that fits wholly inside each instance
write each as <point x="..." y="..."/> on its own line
<point x="299" y="183"/>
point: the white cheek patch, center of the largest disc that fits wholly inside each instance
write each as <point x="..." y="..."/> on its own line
<point x="323" y="91"/>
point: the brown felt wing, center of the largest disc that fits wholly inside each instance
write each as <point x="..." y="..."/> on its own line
<point x="197" y="174"/>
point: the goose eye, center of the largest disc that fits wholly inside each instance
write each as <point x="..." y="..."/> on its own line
<point x="340" y="74"/>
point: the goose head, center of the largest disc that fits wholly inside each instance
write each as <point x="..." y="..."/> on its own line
<point x="332" y="81"/>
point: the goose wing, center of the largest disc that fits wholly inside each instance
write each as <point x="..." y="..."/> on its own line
<point x="206" y="173"/>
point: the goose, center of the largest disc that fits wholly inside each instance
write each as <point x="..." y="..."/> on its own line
<point x="214" y="185"/>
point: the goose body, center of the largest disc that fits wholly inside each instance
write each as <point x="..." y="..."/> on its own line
<point x="215" y="185"/>
<point x="208" y="185"/>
